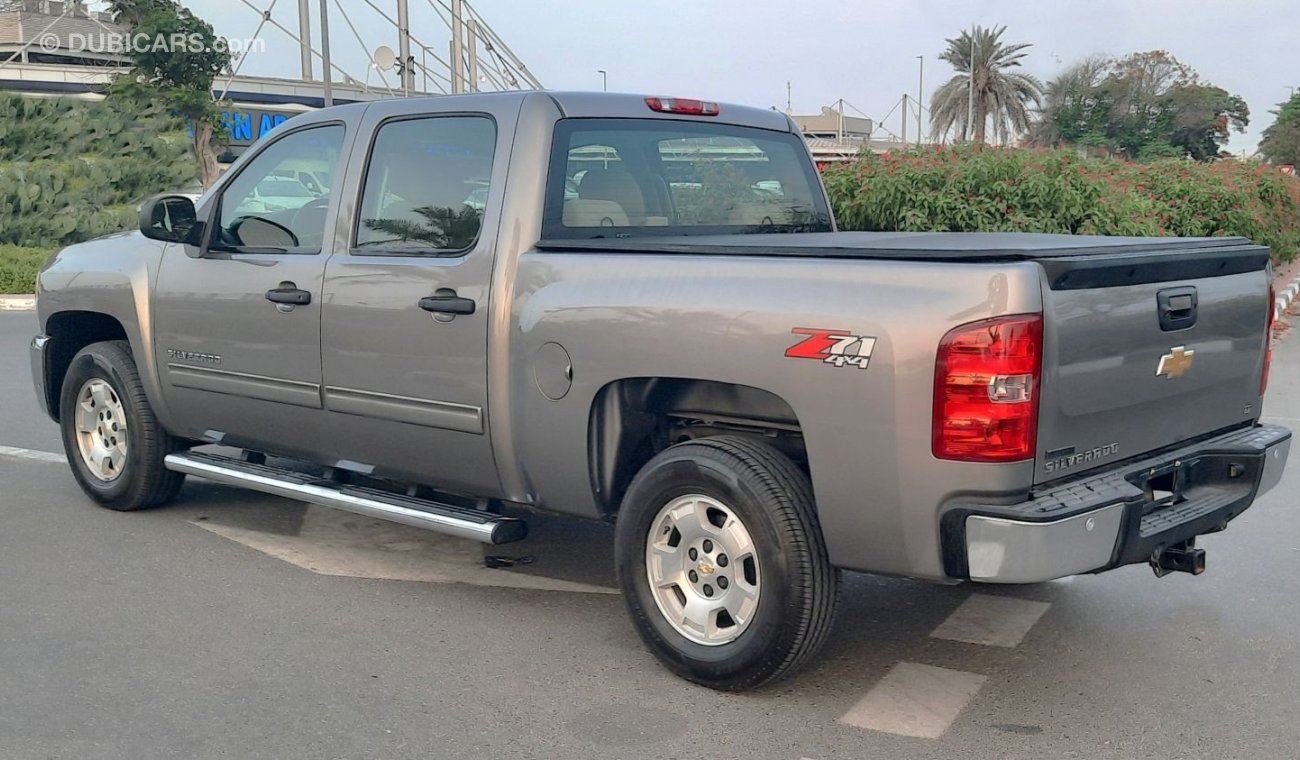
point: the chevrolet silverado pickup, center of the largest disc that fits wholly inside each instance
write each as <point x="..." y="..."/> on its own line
<point x="638" y="309"/>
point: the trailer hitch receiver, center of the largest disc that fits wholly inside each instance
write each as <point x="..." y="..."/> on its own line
<point x="1182" y="558"/>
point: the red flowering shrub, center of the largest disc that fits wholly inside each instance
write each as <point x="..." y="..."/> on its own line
<point x="973" y="188"/>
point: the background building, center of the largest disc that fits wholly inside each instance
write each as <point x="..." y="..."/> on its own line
<point x="41" y="55"/>
<point x="834" y="136"/>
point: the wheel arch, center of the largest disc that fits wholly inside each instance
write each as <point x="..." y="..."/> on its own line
<point x="633" y="419"/>
<point x="70" y="332"/>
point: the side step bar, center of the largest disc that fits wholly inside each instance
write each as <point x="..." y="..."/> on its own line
<point x="420" y="513"/>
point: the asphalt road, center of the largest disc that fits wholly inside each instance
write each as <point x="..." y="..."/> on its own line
<point x="238" y="626"/>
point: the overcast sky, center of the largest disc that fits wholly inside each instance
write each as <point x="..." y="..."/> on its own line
<point x="863" y="51"/>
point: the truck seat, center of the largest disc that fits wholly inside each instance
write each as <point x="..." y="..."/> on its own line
<point x="617" y="186"/>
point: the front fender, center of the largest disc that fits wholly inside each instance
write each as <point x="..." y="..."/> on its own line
<point x="111" y="276"/>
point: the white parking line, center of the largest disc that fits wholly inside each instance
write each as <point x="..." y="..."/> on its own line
<point x="9" y="452"/>
<point x="915" y="700"/>
<point x="996" y="621"/>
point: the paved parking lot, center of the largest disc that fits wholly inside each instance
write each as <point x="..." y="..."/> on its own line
<point x="237" y="625"/>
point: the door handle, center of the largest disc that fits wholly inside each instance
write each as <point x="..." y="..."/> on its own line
<point x="289" y="296"/>
<point x="448" y="305"/>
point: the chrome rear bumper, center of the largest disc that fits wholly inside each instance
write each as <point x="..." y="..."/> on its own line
<point x="1112" y="518"/>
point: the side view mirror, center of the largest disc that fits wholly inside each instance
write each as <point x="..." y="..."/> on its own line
<point x="171" y="219"/>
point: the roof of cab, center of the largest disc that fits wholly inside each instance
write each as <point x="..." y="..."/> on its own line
<point x="588" y="105"/>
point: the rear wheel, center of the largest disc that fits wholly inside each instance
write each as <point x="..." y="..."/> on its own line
<point x="113" y="442"/>
<point x="722" y="563"/>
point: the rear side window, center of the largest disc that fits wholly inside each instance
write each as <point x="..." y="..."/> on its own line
<point x="640" y="177"/>
<point x="427" y="186"/>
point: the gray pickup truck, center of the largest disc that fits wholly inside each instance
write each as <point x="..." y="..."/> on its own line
<point x="639" y="310"/>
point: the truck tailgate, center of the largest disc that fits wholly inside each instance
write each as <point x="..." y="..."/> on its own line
<point x="1142" y="357"/>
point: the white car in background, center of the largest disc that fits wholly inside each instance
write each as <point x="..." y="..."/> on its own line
<point x="277" y="194"/>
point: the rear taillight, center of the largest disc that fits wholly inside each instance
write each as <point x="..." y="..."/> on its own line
<point x="685" y="106"/>
<point x="1268" y="339"/>
<point x="986" y="386"/>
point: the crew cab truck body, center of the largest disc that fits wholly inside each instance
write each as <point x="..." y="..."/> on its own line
<point x="638" y="309"/>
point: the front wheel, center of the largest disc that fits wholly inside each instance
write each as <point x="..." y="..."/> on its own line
<point x="722" y="563"/>
<point x="113" y="442"/>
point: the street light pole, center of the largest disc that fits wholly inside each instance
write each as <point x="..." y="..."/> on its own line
<point x="970" y="91"/>
<point x="404" y="47"/>
<point x="920" y="97"/>
<point x="304" y="31"/>
<point x="471" y="32"/>
<point x="328" y="79"/>
<point x="604" y="80"/>
<point x="457" y="48"/>
<point x="904" y="120"/>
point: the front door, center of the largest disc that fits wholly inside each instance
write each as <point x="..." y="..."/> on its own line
<point x="404" y="331"/>
<point x="237" y="323"/>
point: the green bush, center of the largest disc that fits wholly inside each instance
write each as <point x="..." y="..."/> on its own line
<point x="971" y="188"/>
<point x="72" y="170"/>
<point x="18" y="267"/>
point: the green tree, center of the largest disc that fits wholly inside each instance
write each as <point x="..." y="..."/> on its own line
<point x="1201" y="117"/>
<point x="986" y="91"/>
<point x="1144" y="106"/>
<point x="1281" y="143"/>
<point x="1074" y="106"/>
<point x="180" y="59"/>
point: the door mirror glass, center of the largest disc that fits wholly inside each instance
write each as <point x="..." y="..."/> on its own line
<point x="171" y="219"/>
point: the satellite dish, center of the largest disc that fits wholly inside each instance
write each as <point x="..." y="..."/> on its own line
<point x="385" y="58"/>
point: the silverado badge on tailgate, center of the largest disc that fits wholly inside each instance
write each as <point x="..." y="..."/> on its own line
<point x="834" y="347"/>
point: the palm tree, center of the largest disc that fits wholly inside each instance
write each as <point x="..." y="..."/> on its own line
<point x="984" y="89"/>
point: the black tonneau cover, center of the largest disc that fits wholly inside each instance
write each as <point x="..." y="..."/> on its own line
<point x="1072" y="261"/>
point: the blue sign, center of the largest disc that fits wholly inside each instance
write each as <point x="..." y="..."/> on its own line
<point x="247" y="127"/>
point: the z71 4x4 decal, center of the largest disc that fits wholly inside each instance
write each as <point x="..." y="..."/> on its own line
<point x="834" y="347"/>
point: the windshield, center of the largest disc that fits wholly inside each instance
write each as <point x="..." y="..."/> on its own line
<point x="642" y="177"/>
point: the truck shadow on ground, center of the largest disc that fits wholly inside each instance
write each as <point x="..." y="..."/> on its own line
<point x="881" y="620"/>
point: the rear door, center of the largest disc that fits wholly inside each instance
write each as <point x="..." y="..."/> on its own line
<point x="405" y="324"/>
<point x="1129" y="368"/>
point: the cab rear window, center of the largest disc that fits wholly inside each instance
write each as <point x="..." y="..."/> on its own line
<point x="648" y="177"/>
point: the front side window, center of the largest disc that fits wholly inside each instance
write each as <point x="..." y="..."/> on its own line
<point x="427" y="186"/>
<point x="268" y="208"/>
<point x="639" y="177"/>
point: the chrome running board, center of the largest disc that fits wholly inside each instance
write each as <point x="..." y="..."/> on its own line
<point x="461" y="522"/>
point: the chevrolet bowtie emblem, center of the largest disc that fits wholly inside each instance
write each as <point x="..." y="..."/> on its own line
<point x="1176" y="362"/>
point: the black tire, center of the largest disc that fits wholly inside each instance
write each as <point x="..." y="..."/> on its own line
<point x="800" y="587"/>
<point x="143" y="482"/>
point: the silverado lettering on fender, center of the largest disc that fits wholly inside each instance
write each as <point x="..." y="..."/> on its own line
<point x="605" y="306"/>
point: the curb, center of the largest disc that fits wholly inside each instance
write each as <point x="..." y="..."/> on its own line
<point x="17" y="303"/>
<point x="1285" y="297"/>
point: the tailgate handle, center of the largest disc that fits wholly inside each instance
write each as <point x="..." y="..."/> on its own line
<point x="1177" y="308"/>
